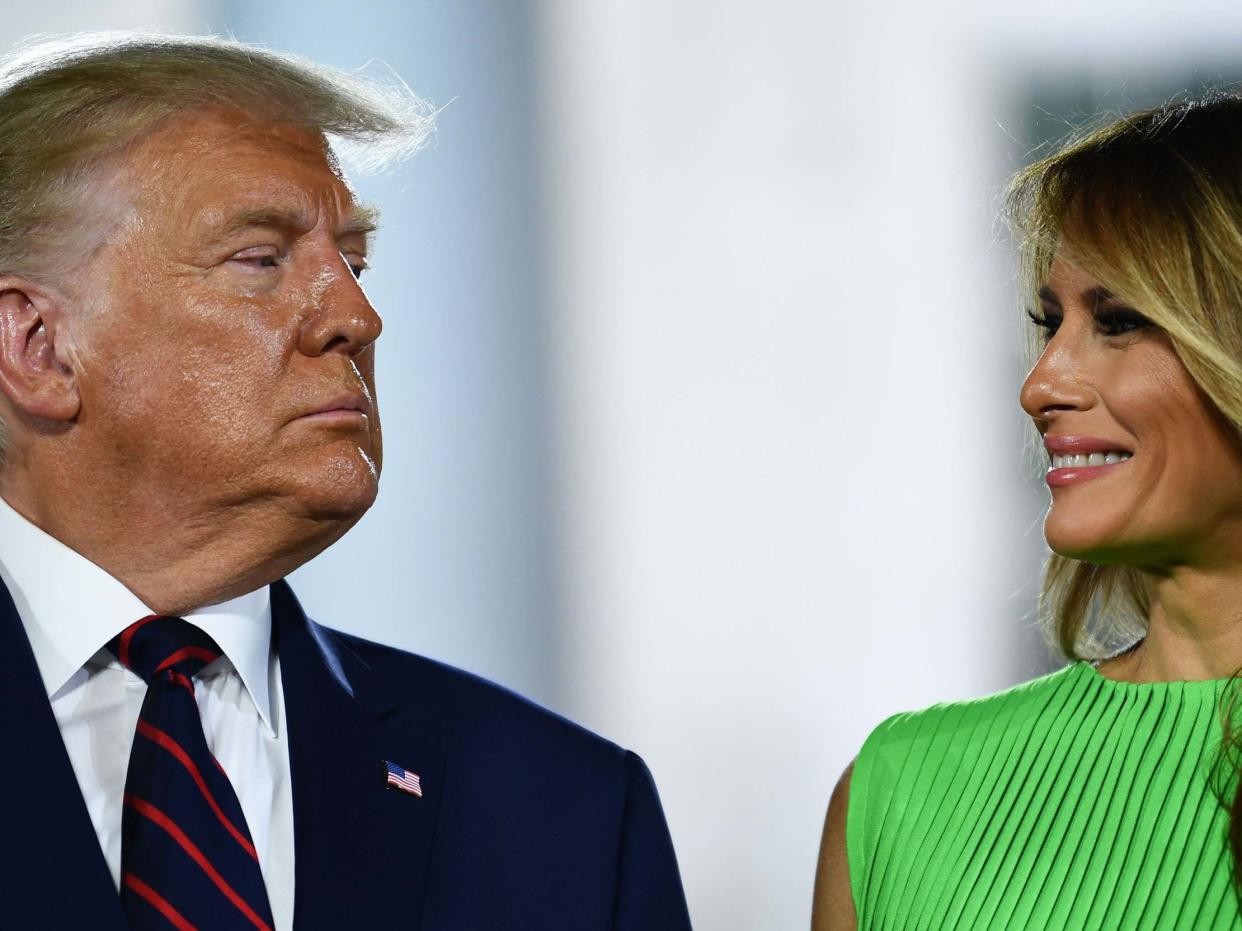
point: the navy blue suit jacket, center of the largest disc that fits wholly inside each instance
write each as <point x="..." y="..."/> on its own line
<point x="526" y="821"/>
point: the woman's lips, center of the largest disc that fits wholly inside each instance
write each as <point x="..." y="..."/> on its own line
<point x="1072" y="475"/>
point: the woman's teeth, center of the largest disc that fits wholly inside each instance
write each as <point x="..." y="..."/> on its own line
<point x="1079" y="460"/>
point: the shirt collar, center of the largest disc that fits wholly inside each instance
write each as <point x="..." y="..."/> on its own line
<point x="71" y="607"/>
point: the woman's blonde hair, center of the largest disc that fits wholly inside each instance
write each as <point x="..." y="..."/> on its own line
<point x="69" y="105"/>
<point x="1151" y="207"/>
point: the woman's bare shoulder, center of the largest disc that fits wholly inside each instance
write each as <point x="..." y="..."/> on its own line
<point x="833" y="906"/>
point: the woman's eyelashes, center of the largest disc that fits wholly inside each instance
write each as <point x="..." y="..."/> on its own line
<point x="1111" y="321"/>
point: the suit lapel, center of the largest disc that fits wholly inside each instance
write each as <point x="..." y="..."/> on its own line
<point x="58" y="877"/>
<point x="361" y="850"/>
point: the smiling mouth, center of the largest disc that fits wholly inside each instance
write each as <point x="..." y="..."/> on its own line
<point x="1079" y="467"/>
<point x="1089" y="460"/>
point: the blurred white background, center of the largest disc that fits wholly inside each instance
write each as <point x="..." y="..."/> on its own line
<point x="700" y="367"/>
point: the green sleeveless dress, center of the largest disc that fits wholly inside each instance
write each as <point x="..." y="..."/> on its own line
<point x="1069" y="802"/>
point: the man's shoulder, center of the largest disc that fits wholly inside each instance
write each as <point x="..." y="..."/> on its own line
<point x="539" y="821"/>
<point x="476" y="711"/>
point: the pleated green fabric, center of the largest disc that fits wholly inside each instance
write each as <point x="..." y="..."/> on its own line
<point x="1071" y="801"/>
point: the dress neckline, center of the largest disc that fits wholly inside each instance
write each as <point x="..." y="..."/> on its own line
<point x="1087" y="670"/>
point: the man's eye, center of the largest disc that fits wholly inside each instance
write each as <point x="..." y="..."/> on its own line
<point x="264" y="260"/>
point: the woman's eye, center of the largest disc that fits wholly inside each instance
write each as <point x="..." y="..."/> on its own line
<point x="1046" y="323"/>
<point x="1112" y="322"/>
<point x="1115" y="322"/>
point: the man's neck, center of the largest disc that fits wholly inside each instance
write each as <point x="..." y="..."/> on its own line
<point x="177" y="562"/>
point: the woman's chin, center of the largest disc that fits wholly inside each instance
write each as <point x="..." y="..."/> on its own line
<point x="1087" y="543"/>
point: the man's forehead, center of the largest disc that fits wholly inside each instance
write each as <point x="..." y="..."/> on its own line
<point x="209" y="168"/>
<point x="207" y="130"/>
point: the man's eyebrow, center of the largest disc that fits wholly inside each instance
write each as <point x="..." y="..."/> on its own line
<point x="364" y="219"/>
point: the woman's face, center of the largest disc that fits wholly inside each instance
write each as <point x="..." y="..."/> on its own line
<point x="1164" y="486"/>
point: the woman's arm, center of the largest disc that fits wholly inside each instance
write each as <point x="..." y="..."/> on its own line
<point x="833" y="906"/>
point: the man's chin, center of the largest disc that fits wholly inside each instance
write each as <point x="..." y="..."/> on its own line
<point x="342" y="490"/>
<point x="337" y="507"/>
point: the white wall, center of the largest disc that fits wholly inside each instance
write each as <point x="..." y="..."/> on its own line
<point x="21" y="20"/>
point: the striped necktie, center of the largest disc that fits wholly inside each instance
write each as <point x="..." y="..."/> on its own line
<point x="187" y="860"/>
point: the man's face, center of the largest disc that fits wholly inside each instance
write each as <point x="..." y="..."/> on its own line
<point x="225" y="347"/>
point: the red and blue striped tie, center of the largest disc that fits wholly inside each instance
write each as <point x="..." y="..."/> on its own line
<point x="187" y="860"/>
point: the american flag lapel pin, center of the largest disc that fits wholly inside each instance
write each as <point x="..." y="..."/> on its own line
<point x="400" y="778"/>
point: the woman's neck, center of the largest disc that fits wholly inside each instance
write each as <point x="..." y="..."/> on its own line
<point x="1194" y="629"/>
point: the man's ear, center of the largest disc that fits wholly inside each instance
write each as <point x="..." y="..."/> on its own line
<point x="34" y="373"/>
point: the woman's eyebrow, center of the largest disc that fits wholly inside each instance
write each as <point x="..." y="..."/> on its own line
<point x="1092" y="297"/>
<point x="1097" y="295"/>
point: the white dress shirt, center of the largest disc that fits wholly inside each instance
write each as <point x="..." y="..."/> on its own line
<point x="70" y="608"/>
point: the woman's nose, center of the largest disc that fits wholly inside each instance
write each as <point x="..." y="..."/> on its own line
<point x="1058" y="380"/>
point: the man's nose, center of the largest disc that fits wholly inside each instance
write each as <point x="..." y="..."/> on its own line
<point x="344" y="320"/>
<point x="1058" y="380"/>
